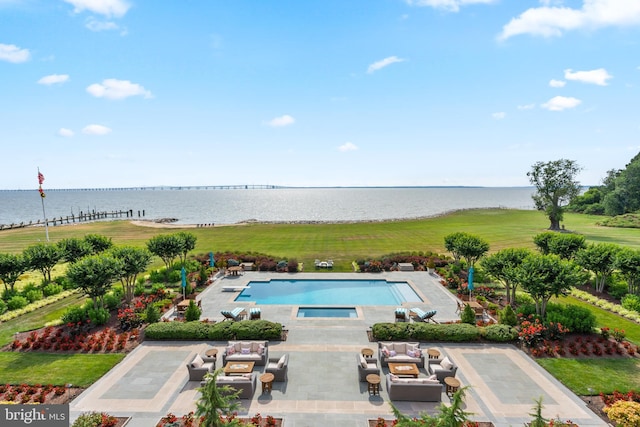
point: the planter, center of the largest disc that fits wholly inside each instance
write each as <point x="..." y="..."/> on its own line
<point x="389" y="423"/>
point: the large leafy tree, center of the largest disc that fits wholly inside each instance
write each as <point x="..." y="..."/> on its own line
<point x="628" y="264"/>
<point x="556" y="186"/>
<point x="467" y="246"/>
<point x="42" y="257"/>
<point x="167" y="247"/>
<point x="545" y="276"/>
<point x="94" y="275"/>
<point x="450" y="244"/>
<point x="565" y="245"/>
<point x="74" y="248"/>
<point x="134" y="261"/>
<point x="503" y="266"/>
<point x="598" y="258"/>
<point x="12" y="266"/>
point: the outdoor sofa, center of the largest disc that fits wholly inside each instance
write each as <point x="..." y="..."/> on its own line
<point x="400" y="352"/>
<point x="246" y="351"/>
<point x="414" y="389"/>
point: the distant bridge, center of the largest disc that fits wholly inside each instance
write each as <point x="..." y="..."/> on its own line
<point x="171" y="187"/>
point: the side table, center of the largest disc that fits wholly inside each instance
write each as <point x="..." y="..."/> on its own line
<point x="451" y="385"/>
<point x="433" y="353"/>
<point x="211" y="356"/>
<point x="373" y="384"/>
<point x="267" y="382"/>
<point x="366" y="353"/>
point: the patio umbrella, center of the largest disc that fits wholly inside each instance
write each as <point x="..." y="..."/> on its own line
<point x="183" y="273"/>
<point x="212" y="262"/>
<point x="470" y="281"/>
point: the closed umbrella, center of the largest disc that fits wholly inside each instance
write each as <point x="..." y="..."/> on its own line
<point x="184" y="282"/>
<point x="470" y="281"/>
<point x="212" y="262"/>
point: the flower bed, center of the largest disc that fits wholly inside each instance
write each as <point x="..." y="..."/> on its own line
<point x="38" y="393"/>
<point x="189" y="420"/>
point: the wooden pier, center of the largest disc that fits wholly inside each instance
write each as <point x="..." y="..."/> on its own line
<point x="71" y="219"/>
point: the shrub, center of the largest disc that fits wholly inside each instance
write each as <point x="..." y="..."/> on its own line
<point x="507" y="316"/>
<point x="624" y="413"/>
<point x="16" y="302"/>
<point x="575" y="318"/>
<point x="618" y="290"/>
<point x="112" y="300"/>
<point x="456" y="332"/>
<point x="98" y="316"/>
<point x="75" y="314"/>
<point x="631" y="302"/>
<point x="192" y="313"/>
<point x="95" y="419"/>
<point x="3" y="306"/>
<point x="245" y="329"/>
<point x="34" y="295"/>
<point x="51" y="289"/>
<point x="499" y="333"/>
<point x="468" y="315"/>
<point x="152" y="314"/>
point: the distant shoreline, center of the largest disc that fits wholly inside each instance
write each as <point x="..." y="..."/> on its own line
<point x="257" y="187"/>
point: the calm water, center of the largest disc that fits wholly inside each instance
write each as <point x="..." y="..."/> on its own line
<point x="292" y="204"/>
<point x="329" y="292"/>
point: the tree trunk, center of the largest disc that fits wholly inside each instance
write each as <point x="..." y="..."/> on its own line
<point x="554" y="224"/>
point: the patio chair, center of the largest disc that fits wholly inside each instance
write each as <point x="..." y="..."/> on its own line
<point x="236" y="314"/>
<point x="254" y="313"/>
<point x="402" y="314"/>
<point x="423" y="316"/>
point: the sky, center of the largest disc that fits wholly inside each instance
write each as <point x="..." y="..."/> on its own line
<point x="131" y="93"/>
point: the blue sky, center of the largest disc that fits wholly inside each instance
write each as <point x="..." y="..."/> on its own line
<point x="123" y="93"/>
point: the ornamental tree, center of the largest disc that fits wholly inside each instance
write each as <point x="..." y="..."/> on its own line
<point x="598" y="258"/>
<point x="42" y="257"/>
<point x="627" y="262"/>
<point x="502" y="266"/>
<point x="12" y="266"/>
<point x="545" y="276"/>
<point x="73" y="249"/>
<point x="556" y="186"/>
<point x="134" y="261"/>
<point x="187" y="244"/>
<point x="94" y="275"/>
<point x="467" y="246"/>
<point x="166" y="246"/>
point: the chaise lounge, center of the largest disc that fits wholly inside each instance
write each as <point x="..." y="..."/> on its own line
<point x="236" y="314"/>
<point x="419" y="315"/>
<point x="402" y="314"/>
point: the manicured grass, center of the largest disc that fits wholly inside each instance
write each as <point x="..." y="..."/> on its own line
<point x="81" y="370"/>
<point x="606" y="318"/>
<point x="600" y="374"/>
<point x="38" y="318"/>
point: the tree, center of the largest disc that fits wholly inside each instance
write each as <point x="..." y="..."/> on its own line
<point x="166" y="246"/>
<point x="12" y="266"/>
<point x="544" y="276"/>
<point x="134" y="261"/>
<point x="73" y="249"/>
<point x="187" y="244"/>
<point x="98" y="242"/>
<point x="502" y="266"/>
<point x="563" y="245"/>
<point x="42" y="257"/>
<point x="216" y="401"/>
<point x="451" y="245"/>
<point x="598" y="258"/>
<point x="452" y="415"/>
<point x="628" y="263"/>
<point x="556" y="186"/>
<point x="467" y="246"/>
<point x="94" y="275"/>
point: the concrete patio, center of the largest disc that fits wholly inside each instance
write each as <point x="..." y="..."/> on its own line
<point x="323" y="387"/>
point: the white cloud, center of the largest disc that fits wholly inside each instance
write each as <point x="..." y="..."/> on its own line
<point x="526" y="107"/>
<point x="96" y="130"/>
<point x="53" y="79"/>
<point x="108" y="8"/>
<point x="554" y="21"/>
<point x="557" y="83"/>
<point x="383" y="63"/>
<point x="12" y="53"/>
<point x="448" y="5"/>
<point x="559" y="103"/>
<point x="348" y="146"/>
<point x="281" y="121"/>
<point x="117" y="89"/>
<point x="499" y="116"/>
<point x="97" y="26"/>
<point x="67" y="133"/>
<point x="597" y="77"/>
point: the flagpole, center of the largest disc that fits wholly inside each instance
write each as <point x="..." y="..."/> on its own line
<point x="44" y="215"/>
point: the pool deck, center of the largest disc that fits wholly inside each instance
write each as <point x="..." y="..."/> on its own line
<point x="323" y="387"/>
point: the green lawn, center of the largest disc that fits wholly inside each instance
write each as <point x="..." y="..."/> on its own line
<point x="81" y="370"/>
<point x="600" y="374"/>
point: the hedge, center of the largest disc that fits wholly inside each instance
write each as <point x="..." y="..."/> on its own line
<point x="446" y="332"/>
<point x="222" y="331"/>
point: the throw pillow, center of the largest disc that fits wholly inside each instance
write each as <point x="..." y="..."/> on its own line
<point x="363" y="362"/>
<point x="245" y="351"/>
<point x="197" y="361"/>
<point x="392" y="353"/>
<point x="281" y="361"/>
<point x="385" y="351"/>
<point x="433" y="377"/>
<point x="446" y="363"/>
<point x="418" y="352"/>
<point x="393" y="377"/>
<point x="260" y="349"/>
<point x="411" y="353"/>
<point x="230" y="350"/>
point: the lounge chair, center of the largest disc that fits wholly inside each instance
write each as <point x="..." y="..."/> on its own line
<point x="423" y="316"/>
<point x="401" y="314"/>
<point x="236" y="314"/>
<point x="254" y="313"/>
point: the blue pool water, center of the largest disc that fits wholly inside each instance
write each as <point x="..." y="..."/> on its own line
<point x="328" y="292"/>
<point x="345" y="312"/>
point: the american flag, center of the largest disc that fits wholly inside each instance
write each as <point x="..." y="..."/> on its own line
<point x="40" y="181"/>
<point x="40" y="178"/>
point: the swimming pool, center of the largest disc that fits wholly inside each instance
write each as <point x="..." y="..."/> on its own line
<point x="328" y="292"/>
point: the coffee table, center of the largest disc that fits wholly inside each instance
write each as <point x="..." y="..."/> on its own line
<point x="238" y="368"/>
<point x="409" y="369"/>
